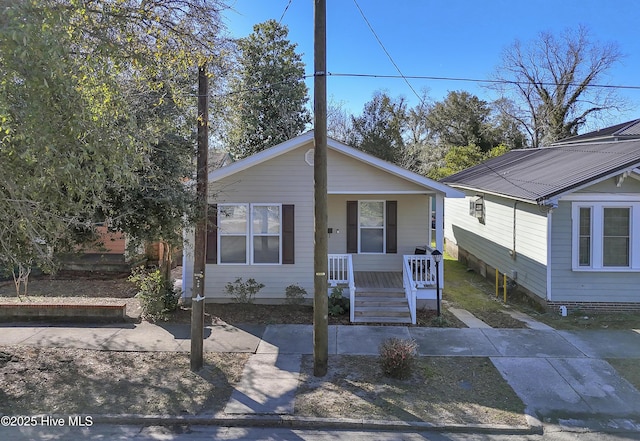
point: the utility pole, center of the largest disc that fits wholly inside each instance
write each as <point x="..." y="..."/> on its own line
<point x="200" y="242"/>
<point x="320" y="297"/>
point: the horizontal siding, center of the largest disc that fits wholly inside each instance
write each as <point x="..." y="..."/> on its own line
<point x="492" y="241"/>
<point x="346" y="174"/>
<point x="584" y="286"/>
<point x="413" y="229"/>
<point x="629" y="185"/>
<point x="286" y="179"/>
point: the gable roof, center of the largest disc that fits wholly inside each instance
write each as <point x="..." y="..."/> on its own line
<point x="537" y="175"/>
<point x="332" y="144"/>
<point x="618" y="132"/>
<point x="218" y="159"/>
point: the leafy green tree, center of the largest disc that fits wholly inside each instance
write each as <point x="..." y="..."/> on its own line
<point x="268" y="93"/>
<point x="71" y="126"/>
<point x="550" y="81"/>
<point x="157" y="205"/>
<point x="462" y="119"/>
<point x="379" y="130"/>
<point x="459" y="158"/>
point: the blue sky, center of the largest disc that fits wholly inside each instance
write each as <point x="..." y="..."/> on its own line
<point x="452" y="38"/>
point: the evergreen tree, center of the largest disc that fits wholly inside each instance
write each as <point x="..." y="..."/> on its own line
<point x="378" y="131"/>
<point x="268" y="93"/>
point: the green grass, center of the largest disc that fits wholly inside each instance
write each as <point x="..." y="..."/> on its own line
<point x="628" y="369"/>
<point x="468" y="290"/>
<point x="578" y="320"/>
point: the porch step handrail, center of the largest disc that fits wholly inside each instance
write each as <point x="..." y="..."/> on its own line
<point x="422" y="269"/>
<point x="339" y="269"/>
<point x="410" y="287"/>
<point x="352" y="289"/>
<point x="341" y="273"/>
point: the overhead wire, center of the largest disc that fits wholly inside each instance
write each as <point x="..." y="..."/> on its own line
<point x="286" y="8"/>
<point x="364" y="17"/>
<point x="422" y="77"/>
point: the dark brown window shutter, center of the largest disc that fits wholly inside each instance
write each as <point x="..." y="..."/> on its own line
<point x="352" y="226"/>
<point x="392" y="227"/>
<point x="212" y="234"/>
<point x="288" y="234"/>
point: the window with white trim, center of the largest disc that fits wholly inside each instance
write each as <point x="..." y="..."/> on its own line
<point x="371" y="226"/>
<point x="603" y="235"/>
<point x="250" y="233"/>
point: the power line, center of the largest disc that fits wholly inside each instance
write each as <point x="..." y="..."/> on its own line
<point x="420" y="77"/>
<point x="286" y="8"/>
<point x="475" y="80"/>
<point x="386" y="51"/>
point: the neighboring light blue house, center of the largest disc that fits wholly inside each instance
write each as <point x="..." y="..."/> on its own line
<point x="563" y="222"/>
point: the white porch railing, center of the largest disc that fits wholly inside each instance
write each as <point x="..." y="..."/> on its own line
<point x="341" y="272"/>
<point x="422" y="269"/>
<point x="410" y="288"/>
<point x="418" y="271"/>
<point x="339" y="269"/>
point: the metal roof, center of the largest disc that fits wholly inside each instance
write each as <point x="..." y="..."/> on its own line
<point x="623" y="130"/>
<point x="538" y="174"/>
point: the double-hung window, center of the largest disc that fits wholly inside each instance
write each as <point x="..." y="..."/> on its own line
<point x="371" y="226"/>
<point x="233" y="229"/>
<point x="250" y="233"/>
<point x="603" y="236"/>
<point x="265" y="233"/>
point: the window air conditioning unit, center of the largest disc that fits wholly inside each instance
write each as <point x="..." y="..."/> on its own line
<point x="476" y="207"/>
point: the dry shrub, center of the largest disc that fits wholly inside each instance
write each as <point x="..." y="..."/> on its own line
<point x="397" y="357"/>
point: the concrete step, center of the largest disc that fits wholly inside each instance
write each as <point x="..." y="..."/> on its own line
<point x="373" y="319"/>
<point x="376" y="289"/>
<point x="380" y="292"/>
<point x="382" y="310"/>
<point x="380" y="302"/>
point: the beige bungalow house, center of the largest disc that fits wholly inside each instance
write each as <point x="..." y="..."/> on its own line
<point x="380" y="229"/>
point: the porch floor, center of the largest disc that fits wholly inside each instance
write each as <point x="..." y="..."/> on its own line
<point x="378" y="279"/>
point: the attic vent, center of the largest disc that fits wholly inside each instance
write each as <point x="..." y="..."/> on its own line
<point x="308" y="157"/>
<point x="476" y="208"/>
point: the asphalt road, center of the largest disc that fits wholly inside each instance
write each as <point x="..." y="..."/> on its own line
<point x="202" y="433"/>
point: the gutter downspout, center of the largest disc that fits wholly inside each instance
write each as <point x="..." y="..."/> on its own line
<point x="513" y="249"/>
<point x="549" y="223"/>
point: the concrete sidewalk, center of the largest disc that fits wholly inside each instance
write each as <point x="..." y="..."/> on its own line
<point x="557" y="374"/>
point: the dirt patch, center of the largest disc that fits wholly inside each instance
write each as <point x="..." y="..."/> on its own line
<point x="72" y="381"/>
<point x="498" y="319"/>
<point x="460" y="390"/>
<point x="87" y="287"/>
<point x="236" y="313"/>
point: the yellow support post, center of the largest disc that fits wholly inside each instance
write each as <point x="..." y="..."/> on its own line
<point x="504" y="286"/>
<point x="497" y="282"/>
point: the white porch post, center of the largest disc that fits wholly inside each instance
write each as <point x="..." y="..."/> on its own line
<point x="440" y="234"/>
<point x="430" y="214"/>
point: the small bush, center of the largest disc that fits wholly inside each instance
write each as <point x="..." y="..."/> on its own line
<point x="397" y="357"/>
<point x="440" y="322"/>
<point x="338" y="304"/>
<point x="243" y="292"/>
<point x="295" y="295"/>
<point x="157" y="297"/>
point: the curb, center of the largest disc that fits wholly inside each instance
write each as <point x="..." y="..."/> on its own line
<point x="286" y="421"/>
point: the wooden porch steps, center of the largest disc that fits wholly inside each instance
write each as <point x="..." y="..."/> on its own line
<point x="381" y="305"/>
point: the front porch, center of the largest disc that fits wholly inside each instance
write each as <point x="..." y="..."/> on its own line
<point x="386" y="296"/>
